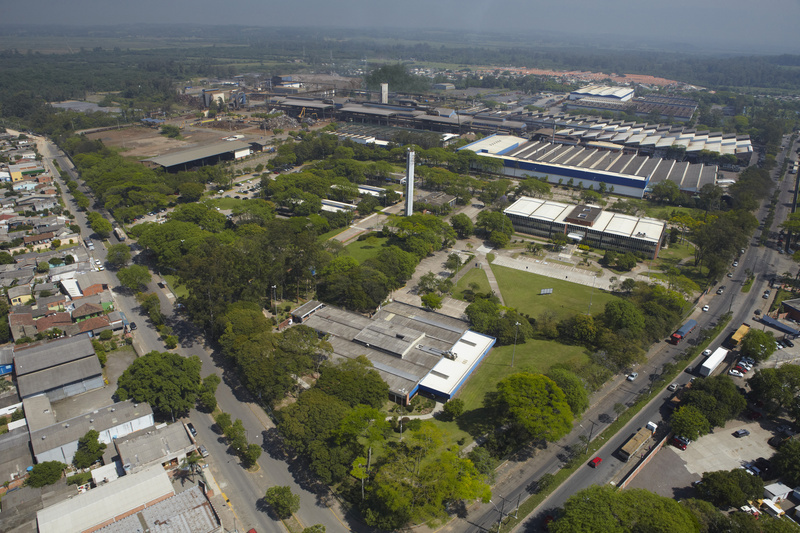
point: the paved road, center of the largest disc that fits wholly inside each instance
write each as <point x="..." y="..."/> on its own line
<point x="244" y="489"/>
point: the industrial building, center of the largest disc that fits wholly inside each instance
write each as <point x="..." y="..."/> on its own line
<point x="199" y="156"/>
<point x="588" y="225"/>
<point x="615" y="94"/>
<point x="589" y="167"/>
<point x="636" y="138"/>
<point x="57" y="440"/>
<point x="412" y="349"/>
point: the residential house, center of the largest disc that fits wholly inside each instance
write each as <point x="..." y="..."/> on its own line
<point x="20" y="295"/>
<point x="21" y="325"/>
<point x="85" y="311"/>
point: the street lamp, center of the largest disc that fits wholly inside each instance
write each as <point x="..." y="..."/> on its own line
<point x="502" y="513"/>
<point x="514" y="351"/>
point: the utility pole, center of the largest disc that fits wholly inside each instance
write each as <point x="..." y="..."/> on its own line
<point x="514" y="351"/>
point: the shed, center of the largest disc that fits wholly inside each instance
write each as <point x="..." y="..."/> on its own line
<point x="777" y="492"/>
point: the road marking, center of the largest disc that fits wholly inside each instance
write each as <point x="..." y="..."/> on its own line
<point x="339" y="519"/>
<point x="230" y="506"/>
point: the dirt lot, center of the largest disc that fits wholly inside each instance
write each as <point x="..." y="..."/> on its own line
<point x="672" y="471"/>
<point x="143" y="142"/>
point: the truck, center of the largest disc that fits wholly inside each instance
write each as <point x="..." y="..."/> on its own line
<point x="120" y="234"/>
<point x="713" y="361"/>
<point x="635" y="443"/>
<point x="739" y="334"/>
<point x="683" y="331"/>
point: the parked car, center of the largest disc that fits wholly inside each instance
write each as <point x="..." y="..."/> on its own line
<point x="730" y="275"/>
<point x="735" y="373"/>
<point x="757" y="312"/>
<point x="133" y="326"/>
<point x="736" y="263"/>
<point x="721" y="290"/>
<point x="706" y="352"/>
<point x="788" y="343"/>
<point x="741" y="369"/>
<point x="191" y="429"/>
<point x="594" y="463"/>
<point x="739" y="433"/>
<point x="632" y="376"/>
<point x="680" y="442"/>
<point x="705" y="308"/>
<point x="673" y="387"/>
<point x="203" y="451"/>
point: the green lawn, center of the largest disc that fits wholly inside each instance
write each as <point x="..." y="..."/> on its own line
<point x="172" y="281"/>
<point x="330" y="234"/>
<point x="521" y="290"/>
<point x="363" y="250"/>
<point x="533" y="356"/>
<point x="475" y="275"/>
<point x="671" y="256"/>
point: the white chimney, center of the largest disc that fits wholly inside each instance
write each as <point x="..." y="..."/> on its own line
<point x="384" y="93"/>
<point x="410" y="183"/>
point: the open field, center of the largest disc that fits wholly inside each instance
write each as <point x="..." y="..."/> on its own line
<point x="142" y="142"/>
<point x="521" y="290"/>
<point x="363" y="250"/>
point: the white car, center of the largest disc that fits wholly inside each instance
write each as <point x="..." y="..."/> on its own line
<point x="672" y="387"/>
<point x="706" y="352"/>
<point x="735" y="373"/>
<point x="98" y="262"/>
<point x="705" y="308"/>
<point x="632" y="376"/>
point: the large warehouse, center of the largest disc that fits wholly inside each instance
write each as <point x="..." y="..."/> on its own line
<point x="413" y="350"/>
<point x="589" y="166"/>
<point x="199" y="156"/>
<point x="603" y="92"/>
<point x="588" y="225"/>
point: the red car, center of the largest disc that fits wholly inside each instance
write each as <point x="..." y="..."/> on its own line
<point x="594" y="463"/>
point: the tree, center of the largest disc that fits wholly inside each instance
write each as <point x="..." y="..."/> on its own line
<point x="134" y="277"/>
<point x="118" y="255"/>
<point x="354" y="381"/>
<point x="491" y="221"/>
<point x="191" y="191"/>
<point x="462" y="225"/>
<point x="573" y="388"/>
<point x="432" y="301"/>
<point x="45" y="473"/>
<point x="453" y="262"/>
<point x="717" y="397"/>
<point x="758" y="344"/>
<point x="787" y="462"/>
<point x="100" y="225"/>
<point x="316" y="528"/>
<point x="533" y="404"/>
<point x="208" y="392"/>
<point x="282" y="501"/>
<point x="223" y="421"/>
<point x="730" y="488"/>
<point x="623" y="315"/>
<point x="171" y="131"/>
<point x="251" y="455"/>
<point x="454" y="408"/>
<point x="688" y="421"/>
<point x="167" y="381"/>
<point x="89" y="451"/>
<point x="606" y="509"/>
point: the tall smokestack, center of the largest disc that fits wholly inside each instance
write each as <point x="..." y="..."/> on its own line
<point x="410" y="183"/>
<point x="384" y="93"/>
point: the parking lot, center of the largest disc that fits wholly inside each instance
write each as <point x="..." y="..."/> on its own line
<point x="672" y="471"/>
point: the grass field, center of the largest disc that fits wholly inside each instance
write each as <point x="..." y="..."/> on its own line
<point x="533" y="356"/>
<point x="172" y="281"/>
<point x="521" y="290"/>
<point x="330" y="234"/>
<point x="475" y="275"/>
<point x="363" y="250"/>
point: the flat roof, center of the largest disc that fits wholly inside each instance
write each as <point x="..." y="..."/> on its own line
<point x="448" y="373"/>
<point x="38" y="412"/>
<point x="97" y="505"/>
<point x="52" y="353"/>
<point x="145" y="447"/>
<point x="495" y="144"/>
<point x="199" y="152"/>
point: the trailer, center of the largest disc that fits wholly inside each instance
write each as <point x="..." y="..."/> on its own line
<point x="713" y="362"/>
<point x="683" y="331"/>
<point x="635" y="443"/>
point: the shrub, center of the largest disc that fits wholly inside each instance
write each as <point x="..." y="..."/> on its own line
<point x="46" y="473"/>
<point x="79" y="479"/>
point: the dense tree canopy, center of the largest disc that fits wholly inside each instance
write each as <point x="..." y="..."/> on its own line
<point x="167" y="381"/>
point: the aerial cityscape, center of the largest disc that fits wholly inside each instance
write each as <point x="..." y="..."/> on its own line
<point x="445" y="267"/>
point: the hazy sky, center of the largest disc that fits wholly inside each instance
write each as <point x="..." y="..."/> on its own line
<point x="740" y="26"/>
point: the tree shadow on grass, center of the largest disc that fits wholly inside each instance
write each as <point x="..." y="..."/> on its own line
<point x="475" y="422"/>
